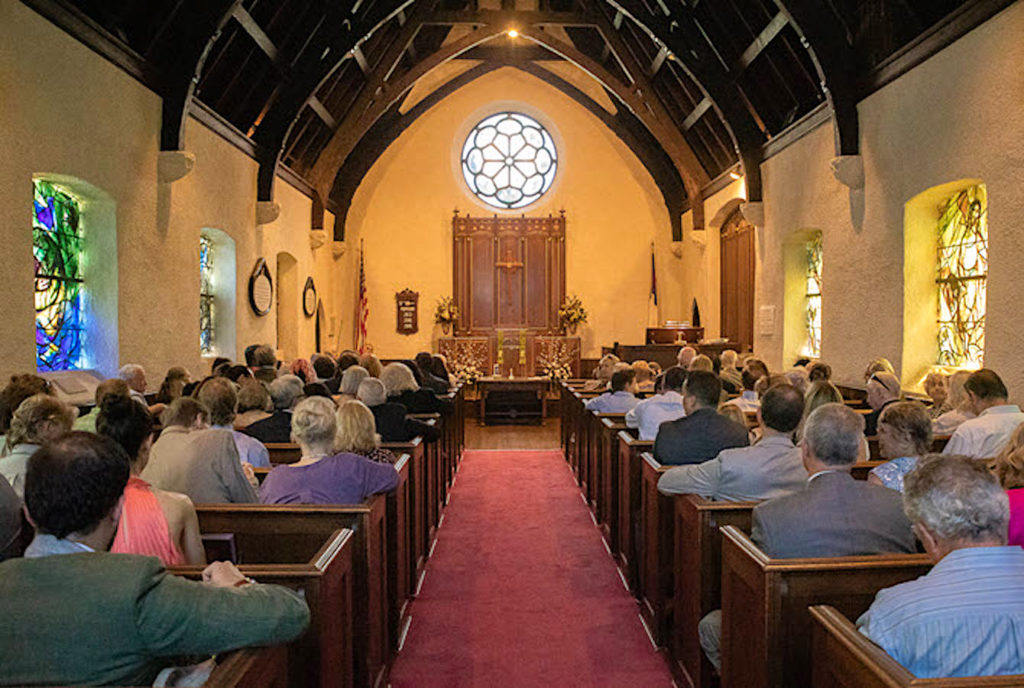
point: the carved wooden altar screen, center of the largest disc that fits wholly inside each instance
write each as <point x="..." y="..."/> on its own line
<point x="509" y="280"/>
<point x="509" y="273"/>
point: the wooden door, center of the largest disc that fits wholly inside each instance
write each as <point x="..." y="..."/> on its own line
<point x="737" y="280"/>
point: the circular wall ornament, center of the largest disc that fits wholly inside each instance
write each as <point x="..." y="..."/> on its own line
<point x="261" y="288"/>
<point x="309" y="298"/>
<point x="509" y="160"/>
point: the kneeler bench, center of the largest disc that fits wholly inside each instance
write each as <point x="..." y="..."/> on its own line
<point x="265" y="534"/>
<point x="766" y="627"/>
<point x="844" y="658"/>
<point x="322" y="656"/>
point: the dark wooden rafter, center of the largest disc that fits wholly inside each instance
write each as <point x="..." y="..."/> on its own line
<point x="335" y="39"/>
<point x="196" y="27"/>
<point x="677" y="30"/>
<point x="390" y="125"/>
<point x="831" y="50"/>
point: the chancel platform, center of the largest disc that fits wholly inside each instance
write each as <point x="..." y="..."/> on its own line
<point x="513" y="401"/>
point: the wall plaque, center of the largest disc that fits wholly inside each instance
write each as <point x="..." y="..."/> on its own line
<point x="261" y="288"/>
<point x="407" y="306"/>
<point x="309" y="298"/>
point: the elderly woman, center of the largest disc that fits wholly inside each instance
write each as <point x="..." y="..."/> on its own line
<point x="879" y="365"/>
<point x="154" y="523"/>
<point x="357" y="433"/>
<point x="253" y="403"/>
<point x="402" y="388"/>
<point x="904" y="435"/>
<point x="729" y="372"/>
<point x="935" y="386"/>
<point x="321" y="476"/>
<point x="959" y="402"/>
<point x="372" y="364"/>
<point x="350" y="380"/>
<point x="40" y="419"/>
<point x="391" y="419"/>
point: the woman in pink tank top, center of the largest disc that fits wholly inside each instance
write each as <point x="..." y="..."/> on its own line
<point x="153" y="522"/>
<point x="1009" y="469"/>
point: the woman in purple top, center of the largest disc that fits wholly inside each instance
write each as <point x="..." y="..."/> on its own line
<point x="321" y="476"/>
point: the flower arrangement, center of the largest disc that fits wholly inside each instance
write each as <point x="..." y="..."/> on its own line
<point x="466" y="371"/>
<point x="446" y="312"/>
<point x="556" y="362"/>
<point x="572" y="312"/>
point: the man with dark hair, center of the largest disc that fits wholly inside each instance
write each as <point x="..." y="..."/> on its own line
<point x="622" y="396"/>
<point x="833" y="516"/>
<point x="747" y="401"/>
<point x="649" y="414"/>
<point x="973" y="598"/>
<point x="326" y="370"/>
<point x="703" y="432"/>
<point x="250" y="355"/>
<point x="770" y="468"/>
<point x="74" y="614"/>
<point x="347" y="360"/>
<point x="985" y="436"/>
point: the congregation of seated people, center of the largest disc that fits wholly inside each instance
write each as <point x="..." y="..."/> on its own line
<point x="964" y="506"/>
<point x="112" y="489"/>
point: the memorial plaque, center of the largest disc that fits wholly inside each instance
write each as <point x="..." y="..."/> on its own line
<point x="407" y="306"/>
<point x="261" y="288"/>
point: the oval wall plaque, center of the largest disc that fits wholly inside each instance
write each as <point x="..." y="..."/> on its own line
<point x="309" y="298"/>
<point x="261" y="288"/>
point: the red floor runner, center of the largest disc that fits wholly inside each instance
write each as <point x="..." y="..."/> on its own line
<point x="520" y="590"/>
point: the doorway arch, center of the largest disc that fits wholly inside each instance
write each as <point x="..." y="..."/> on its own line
<point x="737" y="280"/>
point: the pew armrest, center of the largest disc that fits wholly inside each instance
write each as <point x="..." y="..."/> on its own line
<point x="262" y="667"/>
<point x="844" y="658"/>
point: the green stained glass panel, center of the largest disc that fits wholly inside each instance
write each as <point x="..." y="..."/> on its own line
<point x="812" y="311"/>
<point x="962" y="278"/>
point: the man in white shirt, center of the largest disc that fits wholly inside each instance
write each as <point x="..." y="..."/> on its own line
<point x="770" y="468"/>
<point x="747" y="401"/>
<point x="985" y="436"/>
<point x="650" y="413"/>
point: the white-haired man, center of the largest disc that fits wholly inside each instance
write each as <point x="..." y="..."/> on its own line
<point x="685" y="357"/>
<point x="134" y="376"/>
<point x="963" y="618"/>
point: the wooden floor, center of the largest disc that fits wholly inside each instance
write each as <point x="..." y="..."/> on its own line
<point x="545" y="436"/>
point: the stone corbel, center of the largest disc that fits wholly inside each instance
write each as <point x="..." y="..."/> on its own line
<point x="267" y="212"/>
<point x="338" y="249"/>
<point x="677" y="249"/>
<point x="173" y="165"/>
<point x="317" y="238"/>
<point x="753" y="212"/>
<point x="848" y="170"/>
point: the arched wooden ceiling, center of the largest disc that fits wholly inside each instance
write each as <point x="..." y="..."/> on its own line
<point x="699" y="85"/>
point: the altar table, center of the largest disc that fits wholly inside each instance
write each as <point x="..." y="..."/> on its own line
<point x="513" y="401"/>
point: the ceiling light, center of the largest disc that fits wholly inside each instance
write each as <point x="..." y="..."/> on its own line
<point x="513" y="33"/>
<point x="734" y="174"/>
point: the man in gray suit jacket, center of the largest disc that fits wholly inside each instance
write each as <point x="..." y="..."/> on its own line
<point x="833" y="516"/>
<point x="770" y="468"/>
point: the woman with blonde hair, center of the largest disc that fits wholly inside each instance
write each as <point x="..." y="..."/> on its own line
<point x="323" y="476"/>
<point x="1008" y="467"/>
<point x="819" y="393"/>
<point x="357" y="433"/>
<point x="38" y="420"/>
<point x="960" y="402"/>
<point x="372" y="364"/>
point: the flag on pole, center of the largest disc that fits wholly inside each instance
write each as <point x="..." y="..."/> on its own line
<point x="653" y="317"/>
<point x="364" y="305"/>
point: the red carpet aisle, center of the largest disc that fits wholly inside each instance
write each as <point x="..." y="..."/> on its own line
<point x="521" y="591"/>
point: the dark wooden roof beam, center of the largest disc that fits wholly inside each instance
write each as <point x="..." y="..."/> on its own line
<point x="257" y="34"/>
<point x="777" y="23"/>
<point x="316" y="106"/>
<point x="357" y="55"/>
<point x="509" y="19"/>
<point x="658" y="60"/>
<point x="697" y="112"/>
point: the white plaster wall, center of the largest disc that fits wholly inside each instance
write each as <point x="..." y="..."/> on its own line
<point x="65" y="110"/>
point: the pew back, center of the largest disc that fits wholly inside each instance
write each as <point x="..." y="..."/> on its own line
<point x="766" y="629"/>
<point x="631" y="451"/>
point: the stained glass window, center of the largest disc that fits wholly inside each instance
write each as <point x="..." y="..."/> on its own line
<point x="57" y="249"/>
<point x="206" y="295"/>
<point x="509" y="160"/>
<point x="812" y="293"/>
<point x="962" y="277"/>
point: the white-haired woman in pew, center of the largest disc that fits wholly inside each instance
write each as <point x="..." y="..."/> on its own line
<point x="322" y="476"/>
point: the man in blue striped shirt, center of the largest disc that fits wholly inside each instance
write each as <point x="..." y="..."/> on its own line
<point x="966" y="616"/>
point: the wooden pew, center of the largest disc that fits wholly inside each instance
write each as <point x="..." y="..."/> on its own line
<point x="766" y="628"/>
<point x="322" y="657"/>
<point x="607" y="445"/>
<point x="283" y="452"/>
<point x="698" y="576"/>
<point x="655" y="551"/>
<point x="631" y="450"/>
<point x="843" y="658"/>
<point x="400" y="555"/>
<point x="874" y="453"/>
<point x="256" y="667"/>
<point x="861" y="469"/>
<point x="417" y="532"/>
<point x="259" y="531"/>
<point x="433" y="471"/>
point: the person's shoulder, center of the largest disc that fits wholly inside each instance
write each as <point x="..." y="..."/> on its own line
<point x="783" y="506"/>
<point x="175" y="503"/>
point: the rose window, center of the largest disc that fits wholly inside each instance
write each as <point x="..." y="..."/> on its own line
<point x="509" y="160"/>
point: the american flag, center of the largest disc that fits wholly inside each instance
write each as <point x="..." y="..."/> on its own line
<point x="364" y="305"/>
